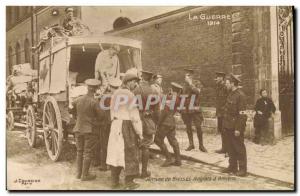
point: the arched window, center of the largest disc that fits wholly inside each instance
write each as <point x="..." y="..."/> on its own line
<point x="17" y="12"/>
<point x="27" y="50"/>
<point x="18" y="53"/>
<point x="10" y="63"/>
<point x="8" y="15"/>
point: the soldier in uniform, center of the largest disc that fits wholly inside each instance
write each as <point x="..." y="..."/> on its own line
<point x="234" y="124"/>
<point x="166" y="128"/>
<point x="156" y="86"/>
<point x="88" y="113"/>
<point x="149" y="118"/>
<point x="221" y="95"/>
<point x="191" y="89"/>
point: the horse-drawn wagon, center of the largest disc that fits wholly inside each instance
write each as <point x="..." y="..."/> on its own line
<point x="64" y="64"/>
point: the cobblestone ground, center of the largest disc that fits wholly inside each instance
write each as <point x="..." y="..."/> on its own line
<point x="24" y="163"/>
<point x="274" y="161"/>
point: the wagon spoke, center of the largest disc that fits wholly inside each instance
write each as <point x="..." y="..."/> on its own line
<point x="55" y="142"/>
<point x="47" y="118"/>
<point x="48" y="113"/>
<point x="48" y="133"/>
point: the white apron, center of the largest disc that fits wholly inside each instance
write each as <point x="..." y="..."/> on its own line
<point x="115" y="148"/>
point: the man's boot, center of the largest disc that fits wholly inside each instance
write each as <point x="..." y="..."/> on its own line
<point x="130" y="184"/>
<point x="191" y="140"/>
<point x="145" y="158"/>
<point x="85" y="170"/>
<point x="168" y="162"/>
<point x="200" y="138"/>
<point x="177" y="155"/>
<point x="79" y="166"/>
<point x="242" y="167"/>
<point x="229" y="170"/>
<point x="115" y="177"/>
<point x="103" y="166"/>
<point x="222" y="150"/>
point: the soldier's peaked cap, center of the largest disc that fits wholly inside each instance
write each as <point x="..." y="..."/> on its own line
<point x="176" y="86"/>
<point x="218" y="73"/>
<point x="69" y="9"/>
<point x="190" y="71"/>
<point x="157" y="76"/>
<point x="92" y="82"/>
<point x="235" y="78"/>
<point x="147" y="73"/>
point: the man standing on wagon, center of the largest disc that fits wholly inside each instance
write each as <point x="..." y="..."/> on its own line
<point x="88" y="113"/>
<point x="107" y="64"/>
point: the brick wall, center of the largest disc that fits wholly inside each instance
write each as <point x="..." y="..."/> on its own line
<point x="177" y="42"/>
<point x="22" y="31"/>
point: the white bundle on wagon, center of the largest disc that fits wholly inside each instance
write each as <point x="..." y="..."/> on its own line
<point x="22" y="75"/>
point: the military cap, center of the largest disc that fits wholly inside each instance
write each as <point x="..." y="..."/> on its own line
<point x="115" y="82"/>
<point x="69" y="9"/>
<point x="235" y="78"/>
<point x="130" y="76"/>
<point x="147" y="75"/>
<point x="92" y="82"/>
<point x="157" y="76"/>
<point x="222" y="74"/>
<point x="176" y="87"/>
<point x="190" y="71"/>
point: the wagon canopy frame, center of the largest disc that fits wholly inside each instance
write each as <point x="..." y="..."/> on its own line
<point x="82" y="40"/>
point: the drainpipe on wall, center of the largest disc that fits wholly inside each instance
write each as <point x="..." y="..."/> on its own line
<point x="32" y="37"/>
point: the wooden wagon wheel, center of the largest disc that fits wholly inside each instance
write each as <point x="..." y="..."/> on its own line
<point x="10" y="121"/>
<point x="52" y="126"/>
<point x="30" y="126"/>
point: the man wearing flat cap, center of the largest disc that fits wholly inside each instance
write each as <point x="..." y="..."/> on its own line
<point x="221" y="95"/>
<point x="88" y="113"/>
<point x="126" y="130"/>
<point x="191" y="89"/>
<point x="234" y="124"/>
<point x="166" y="127"/>
<point x="107" y="64"/>
<point x="149" y="118"/>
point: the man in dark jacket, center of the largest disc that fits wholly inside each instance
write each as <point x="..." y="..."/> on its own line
<point x="166" y="127"/>
<point x="234" y="124"/>
<point x="192" y="90"/>
<point x="149" y="116"/>
<point x="264" y="108"/>
<point x="221" y="95"/>
<point x="88" y="114"/>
